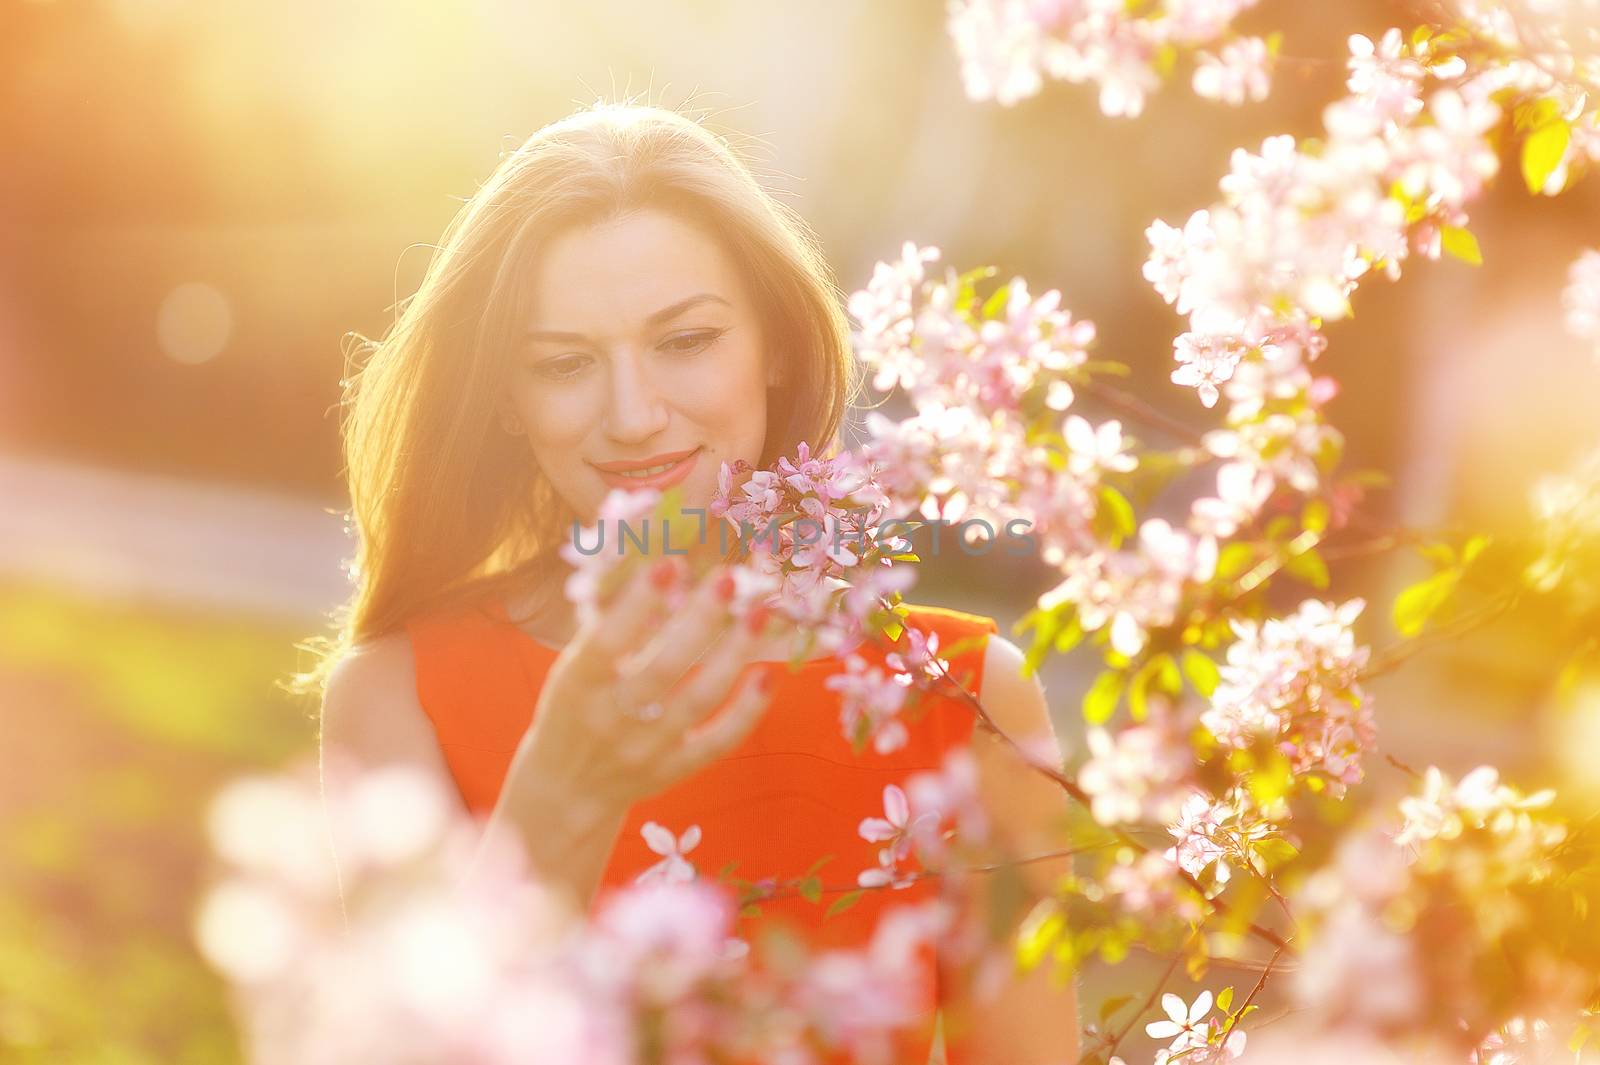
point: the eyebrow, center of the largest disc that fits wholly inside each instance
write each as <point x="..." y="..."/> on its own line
<point x="665" y="314"/>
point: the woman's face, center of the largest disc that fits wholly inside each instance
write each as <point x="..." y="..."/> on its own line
<point x="642" y="350"/>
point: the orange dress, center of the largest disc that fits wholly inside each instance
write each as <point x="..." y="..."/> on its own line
<point x="791" y="793"/>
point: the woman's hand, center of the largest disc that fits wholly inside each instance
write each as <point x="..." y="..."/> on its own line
<point x="631" y="658"/>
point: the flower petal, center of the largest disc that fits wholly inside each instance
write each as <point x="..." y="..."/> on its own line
<point x="895" y="805"/>
<point x="658" y="839"/>
<point x="1174" y="1007"/>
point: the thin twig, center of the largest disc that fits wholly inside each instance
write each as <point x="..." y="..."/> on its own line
<point x="1071" y="787"/>
<point x="1149" y="1001"/>
<point x="1260" y="983"/>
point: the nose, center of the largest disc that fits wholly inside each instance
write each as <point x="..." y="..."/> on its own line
<point x="637" y="411"/>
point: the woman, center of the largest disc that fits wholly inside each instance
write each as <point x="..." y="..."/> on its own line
<point x="623" y="305"/>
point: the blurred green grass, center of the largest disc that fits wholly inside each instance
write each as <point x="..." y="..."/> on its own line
<point x="120" y="723"/>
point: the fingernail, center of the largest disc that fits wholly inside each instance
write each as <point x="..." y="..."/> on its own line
<point x="663" y="574"/>
<point x="725" y="586"/>
<point x="756" y="620"/>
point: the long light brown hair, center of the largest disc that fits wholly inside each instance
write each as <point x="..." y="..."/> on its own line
<point x="447" y="505"/>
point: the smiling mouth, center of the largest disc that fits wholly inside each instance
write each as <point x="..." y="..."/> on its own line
<point x="668" y="470"/>
<point x="648" y="470"/>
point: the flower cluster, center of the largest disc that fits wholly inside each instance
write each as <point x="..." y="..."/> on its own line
<point x="809" y="525"/>
<point x="418" y="962"/>
<point x="1580" y="300"/>
<point x="812" y="529"/>
<point x="1300" y="224"/>
<point x="1478" y="801"/>
<point x="870" y="702"/>
<point x="1567" y="508"/>
<point x="1216" y="834"/>
<point x="1136" y="773"/>
<point x="1008" y="47"/>
<point x="1195" y="1035"/>
<point x="1454" y="919"/>
<point x="1132" y="591"/>
<point x="974" y="375"/>
<point x="1295" y="682"/>
<point x="937" y="809"/>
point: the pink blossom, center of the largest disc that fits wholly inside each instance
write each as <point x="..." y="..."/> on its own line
<point x="673" y="866"/>
<point x="1580" y="300"/>
<point x="870" y="704"/>
<point x="1242" y="70"/>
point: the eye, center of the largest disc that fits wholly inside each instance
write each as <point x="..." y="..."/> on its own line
<point x="689" y="343"/>
<point x="561" y="368"/>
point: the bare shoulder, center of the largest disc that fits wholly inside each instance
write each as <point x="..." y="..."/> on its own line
<point x="1017" y="703"/>
<point x="370" y="708"/>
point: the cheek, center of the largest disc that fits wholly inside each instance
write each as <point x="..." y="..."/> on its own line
<point x="554" y="418"/>
<point x="731" y="396"/>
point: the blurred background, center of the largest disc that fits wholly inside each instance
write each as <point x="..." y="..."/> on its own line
<point x="200" y="202"/>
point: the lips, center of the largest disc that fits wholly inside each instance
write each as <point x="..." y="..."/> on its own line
<point x="667" y="469"/>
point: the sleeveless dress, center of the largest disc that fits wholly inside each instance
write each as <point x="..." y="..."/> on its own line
<point x="792" y="792"/>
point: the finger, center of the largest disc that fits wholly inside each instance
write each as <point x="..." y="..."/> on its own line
<point x="625" y="622"/>
<point x="728" y="729"/>
<point x="701" y="624"/>
<point x="708" y="682"/>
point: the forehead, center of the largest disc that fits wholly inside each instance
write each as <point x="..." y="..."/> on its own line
<point x="609" y="277"/>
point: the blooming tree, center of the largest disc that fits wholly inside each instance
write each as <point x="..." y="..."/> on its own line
<point x="1228" y="742"/>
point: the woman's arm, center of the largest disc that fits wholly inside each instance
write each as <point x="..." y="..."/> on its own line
<point x="371" y="717"/>
<point x="1029" y="1021"/>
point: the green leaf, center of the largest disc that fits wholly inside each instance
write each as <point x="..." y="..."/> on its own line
<point x="1416" y="604"/>
<point x="1270" y="782"/>
<point x="1070" y="636"/>
<point x="1314" y="516"/>
<point x="1201" y="671"/>
<point x="1542" y="152"/>
<point x="1309" y="567"/>
<point x="1234" y="560"/>
<point x="1112" y="1005"/>
<point x="1225" y="1000"/>
<point x="1168" y="679"/>
<point x="1275" y="852"/>
<point x="1460" y="243"/>
<point x="811" y="889"/>
<point x="752" y="910"/>
<point x="844" y="902"/>
<point x="1113" y="518"/>
<point x="996" y="301"/>
<point x="1100" y="701"/>
<point x="1039" y="932"/>
<point x="1166" y="59"/>
<point x="1440" y="554"/>
<point x="1141" y="680"/>
<point x="1158" y="666"/>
